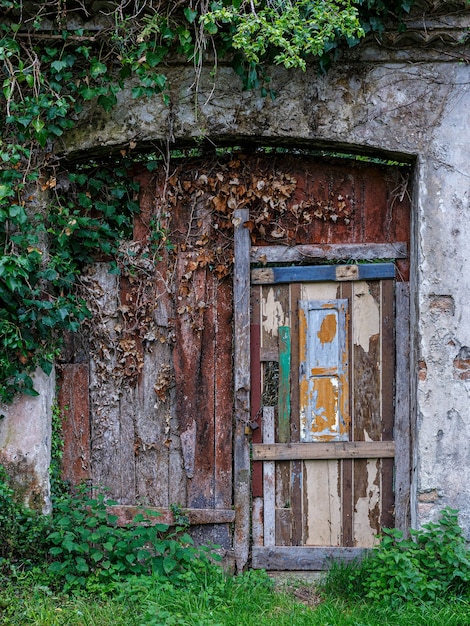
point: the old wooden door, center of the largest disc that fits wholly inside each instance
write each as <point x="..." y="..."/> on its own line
<point x="324" y="361"/>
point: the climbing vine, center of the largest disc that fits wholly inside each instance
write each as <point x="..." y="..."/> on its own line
<point x="54" y="217"/>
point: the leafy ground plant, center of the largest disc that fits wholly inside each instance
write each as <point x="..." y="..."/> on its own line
<point x="89" y="547"/>
<point x="433" y="563"/>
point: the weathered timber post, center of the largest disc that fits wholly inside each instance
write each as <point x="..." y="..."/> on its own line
<point x="241" y="329"/>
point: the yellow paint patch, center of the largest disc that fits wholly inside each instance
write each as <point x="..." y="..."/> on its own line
<point x="328" y="329"/>
<point x="326" y="411"/>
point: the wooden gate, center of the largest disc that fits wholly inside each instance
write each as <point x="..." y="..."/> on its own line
<point x="324" y="344"/>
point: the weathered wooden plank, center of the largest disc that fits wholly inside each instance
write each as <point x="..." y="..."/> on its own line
<point x="402" y="434"/>
<point x="283" y="527"/>
<point x="302" y="558"/>
<point x="274" y="312"/>
<point x="223" y="382"/>
<point x="387" y="518"/>
<point x="347" y="509"/>
<point x="324" y="396"/>
<point x="319" y="273"/>
<point x="296" y="466"/>
<point x="283" y="413"/>
<point x="126" y="515"/>
<point x="353" y="251"/>
<point x="269" y="506"/>
<point x="323" y="503"/>
<point x="241" y="323"/>
<point x="256" y="416"/>
<point x="329" y="450"/>
<point x="367" y="501"/>
<point x="366" y="306"/>
<point x="257" y="525"/>
<point x="74" y="405"/>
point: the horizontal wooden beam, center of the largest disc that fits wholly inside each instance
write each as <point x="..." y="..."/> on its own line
<point x="320" y="450"/>
<point x="127" y="513"/>
<point x="318" y="273"/>
<point x="353" y="251"/>
<point x="302" y="558"/>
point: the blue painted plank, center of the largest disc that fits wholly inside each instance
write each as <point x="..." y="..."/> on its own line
<point x="318" y="273"/>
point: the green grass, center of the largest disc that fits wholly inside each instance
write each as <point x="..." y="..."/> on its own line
<point x="207" y="597"/>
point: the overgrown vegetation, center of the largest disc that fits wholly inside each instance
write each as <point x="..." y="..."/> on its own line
<point x="79" y="567"/>
<point x="82" y="545"/>
<point x="53" y="219"/>
<point x="432" y="564"/>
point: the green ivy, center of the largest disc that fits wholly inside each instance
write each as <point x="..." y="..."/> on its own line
<point x="52" y="222"/>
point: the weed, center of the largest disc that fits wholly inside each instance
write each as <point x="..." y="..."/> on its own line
<point x="433" y="563"/>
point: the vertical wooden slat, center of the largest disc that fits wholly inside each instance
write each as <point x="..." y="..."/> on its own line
<point x="347" y="464"/>
<point x="255" y="403"/>
<point x="257" y="525"/>
<point x="387" y="385"/>
<point x="366" y="303"/>
<point x="74" y="405"/>
<point x="223" y="397"/>
<point x="269" y="480"/>
<point x="241" y="453"/>
<point x="296" y="466"/>
<point x="402" y="431"/>
<point x="283" y="473"/>
<point x="283" y="414"/>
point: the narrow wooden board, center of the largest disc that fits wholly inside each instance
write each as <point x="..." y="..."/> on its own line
<point x="269" y="490"/>
<point x="363" y="251"/>
<point x="346" y="470"/>
<point x="319" y="273"/>
<point x="387" y="518"/>
<point x="74" y="404"/>
<point x="223" y="398"/>
<point x="302" y="558"/>
<point x="241" y="333"/>
<point x="316" y="450"/>
<point x="296" y="466"/>
<point x="402" y="431"/>
<point x="126" y="515"/>
<point x="283" y="414"/>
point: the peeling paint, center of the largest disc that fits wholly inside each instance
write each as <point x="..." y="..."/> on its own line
<point x="273" y="314"/>
<point x="367" y="316"/>
<point x="365" y="528"/>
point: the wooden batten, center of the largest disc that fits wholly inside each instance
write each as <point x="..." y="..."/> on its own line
<point x="156" y="515"/>
<point x="350" y="251"/>
<point x="302" y="558"/>
<point x="320" y="273"/>
<point x="318" y="451"/>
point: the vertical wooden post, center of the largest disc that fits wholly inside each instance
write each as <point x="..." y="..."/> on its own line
<point x="241" y="450"/>
<point x="402" y="430"/>
<point x="284" y="384"/>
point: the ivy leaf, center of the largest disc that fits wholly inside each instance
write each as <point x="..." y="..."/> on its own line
<point x="58" y="65"/>
<point x="37" y="124"/>
<point x="189" y="14"/>
<point x="5" y="192"/>
<point x="46" y="366"/>
<point x="97" y="68"/>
